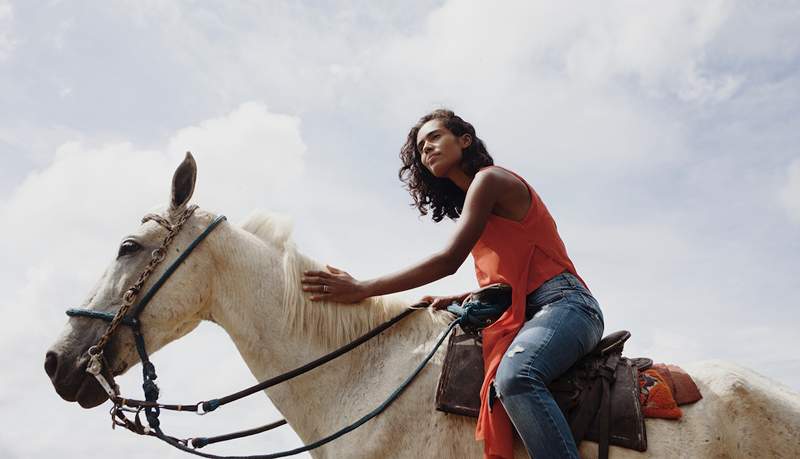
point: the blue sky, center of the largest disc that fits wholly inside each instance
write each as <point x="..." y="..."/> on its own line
<point x="663" y="137"/>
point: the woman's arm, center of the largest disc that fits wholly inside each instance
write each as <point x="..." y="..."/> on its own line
<point x="482" y="195"/>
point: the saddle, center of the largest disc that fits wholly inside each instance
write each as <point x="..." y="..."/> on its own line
<point x="599" y="394"/>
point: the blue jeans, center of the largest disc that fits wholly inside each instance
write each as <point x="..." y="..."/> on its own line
<point x="565" y="324"/>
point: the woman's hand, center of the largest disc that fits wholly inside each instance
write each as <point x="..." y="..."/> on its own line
<point x="335" y="285"/>
<point x="442" y="302"/>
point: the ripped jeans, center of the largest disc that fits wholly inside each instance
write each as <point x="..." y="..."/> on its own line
<point x="565" y="324"/>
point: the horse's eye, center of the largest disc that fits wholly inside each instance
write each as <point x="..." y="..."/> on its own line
<point x="128" y="247"/>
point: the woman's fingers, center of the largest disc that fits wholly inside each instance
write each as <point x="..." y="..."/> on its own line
<point x="334" y="270"/>
<point x="314" y="280"/>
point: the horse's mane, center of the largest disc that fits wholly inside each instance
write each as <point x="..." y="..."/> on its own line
<point x="329" y="323"/>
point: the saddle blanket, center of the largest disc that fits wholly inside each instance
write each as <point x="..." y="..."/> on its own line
<point x="662" y="388"/>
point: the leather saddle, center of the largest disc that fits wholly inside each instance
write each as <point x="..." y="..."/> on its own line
<point x="599" y="394"/>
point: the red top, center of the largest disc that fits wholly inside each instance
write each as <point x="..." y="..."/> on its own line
<point x="524" y="255"/>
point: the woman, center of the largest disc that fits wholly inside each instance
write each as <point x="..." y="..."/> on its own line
<point x="513" y="240"/>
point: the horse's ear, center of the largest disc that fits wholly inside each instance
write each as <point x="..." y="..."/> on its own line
<point x="183" y="183"/>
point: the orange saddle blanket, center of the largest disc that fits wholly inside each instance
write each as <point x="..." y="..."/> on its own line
<point x="662" y="388"/>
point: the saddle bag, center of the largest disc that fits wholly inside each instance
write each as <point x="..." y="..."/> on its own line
<point x="599" y="394"/>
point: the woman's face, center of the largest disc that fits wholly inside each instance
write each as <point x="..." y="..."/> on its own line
<point x="439" y="148"/>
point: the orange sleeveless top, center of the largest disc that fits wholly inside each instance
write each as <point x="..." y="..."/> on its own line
<point x="523" y="254"/>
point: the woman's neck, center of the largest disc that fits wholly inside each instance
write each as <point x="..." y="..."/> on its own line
<point x="460" y="178"/>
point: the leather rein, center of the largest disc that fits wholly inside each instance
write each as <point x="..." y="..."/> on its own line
<point x="128" y="315"/>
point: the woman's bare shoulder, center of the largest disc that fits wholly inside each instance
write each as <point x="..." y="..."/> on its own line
<point x="499" y="176"/>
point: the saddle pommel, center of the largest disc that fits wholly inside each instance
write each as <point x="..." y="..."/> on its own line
<point x="612" y="343"/>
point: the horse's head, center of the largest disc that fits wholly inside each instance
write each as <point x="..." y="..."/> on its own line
<point x="174" y="311"/>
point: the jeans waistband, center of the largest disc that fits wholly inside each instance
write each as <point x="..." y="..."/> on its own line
<point x="548" y="290"/>
<point x="564" y="285"/>
<point x="563" y="280"/>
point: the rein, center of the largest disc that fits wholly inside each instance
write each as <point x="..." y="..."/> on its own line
<point x="99" y="368"/>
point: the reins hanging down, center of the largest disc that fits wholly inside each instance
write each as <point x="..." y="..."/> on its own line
<point x="152" y="408"/>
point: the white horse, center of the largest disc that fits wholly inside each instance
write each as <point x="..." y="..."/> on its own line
<point x="247" y="280"/>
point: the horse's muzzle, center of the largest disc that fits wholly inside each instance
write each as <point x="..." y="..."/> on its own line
<point x="71" y="381"/>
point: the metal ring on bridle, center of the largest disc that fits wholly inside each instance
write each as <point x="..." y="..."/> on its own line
<point x="199" y="410"/>
<point x="326" y="289"/>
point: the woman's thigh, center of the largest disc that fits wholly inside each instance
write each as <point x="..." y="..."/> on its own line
<point x="559" y="333"/>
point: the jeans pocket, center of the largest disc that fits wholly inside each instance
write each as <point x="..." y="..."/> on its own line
<point x="590" y="302"/>
<point x="586" y="304"/>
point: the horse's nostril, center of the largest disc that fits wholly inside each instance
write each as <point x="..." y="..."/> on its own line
<point x="51" y="363"/>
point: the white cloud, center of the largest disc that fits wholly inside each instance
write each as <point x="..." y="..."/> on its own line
<point x="563" y="89"/>
<point x="7" y="41"/>
<point x="662" y="45"/>
<point x="64" y="220"/>
<point x="790" y="193"/>
<point x="91" y="195"/>
<point x="243" y="157"/>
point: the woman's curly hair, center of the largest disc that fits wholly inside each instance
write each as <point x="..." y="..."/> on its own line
<point x="441" y="195"/>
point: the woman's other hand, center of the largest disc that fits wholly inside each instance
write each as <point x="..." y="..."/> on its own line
<point x="442" y="302"/>
<point x="333" y="285"/>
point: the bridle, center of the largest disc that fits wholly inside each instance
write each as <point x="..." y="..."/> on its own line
<point x="97" y="365"/>
<point x="128" y="315"/>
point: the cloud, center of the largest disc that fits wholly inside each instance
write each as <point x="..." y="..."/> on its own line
<point x="789" y="196"/>
<point x="568" y="90"/>
<point x="243" y="157"/>
<point x="7" y="41"/>
<point x="661" y="45"/>
<point x="90" y="195"/>
<point x="64" y="220"/>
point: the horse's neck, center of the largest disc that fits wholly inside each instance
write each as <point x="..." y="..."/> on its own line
<point x="248" y="304"/>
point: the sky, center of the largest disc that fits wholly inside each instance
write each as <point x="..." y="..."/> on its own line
<point x="664" y="137"/>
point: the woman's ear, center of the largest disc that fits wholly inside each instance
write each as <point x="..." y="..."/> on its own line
<point x="465" y="140"/>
